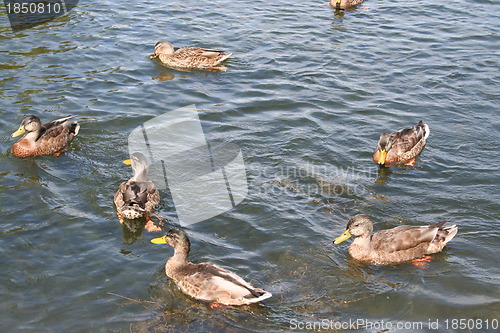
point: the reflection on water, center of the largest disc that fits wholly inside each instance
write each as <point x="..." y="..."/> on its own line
<point x="164" y="76"/>
<point x="384" y="174"/>
<point x="132" y="230"/>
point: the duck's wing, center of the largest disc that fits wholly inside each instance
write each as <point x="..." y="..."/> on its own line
<point x="355" y="2"/>
<point x="135" y="193"/>
<point x="152" y="197"/>
<point x="404" y="237"/>
<point x="189" y="52"/>
<point x="58" y="132"/>
<point x="118" y="199"/>
<point x="210" y="282"/>
<point x="230" y="277"/>
<point x="404" y="140"/>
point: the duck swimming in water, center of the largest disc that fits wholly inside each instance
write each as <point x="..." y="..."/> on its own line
<point x="138" y="196"/>
<point x="396" y="245"/>
<point x="189" y="57"/>
<point x="206" y="281"/>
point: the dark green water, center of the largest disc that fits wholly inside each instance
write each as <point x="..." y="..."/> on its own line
<point x="305" y="96"/>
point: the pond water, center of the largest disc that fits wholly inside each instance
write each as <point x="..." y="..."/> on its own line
<point x="305" y="96"/>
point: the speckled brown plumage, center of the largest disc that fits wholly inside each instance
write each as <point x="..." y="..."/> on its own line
<point x="206" y="281"/>
<point x="189" y="57"/>
<point x="401" y="146"/>
<point x="137" y="197"/>
<point x="394" y="245"/>
<point x="50" y="138"/>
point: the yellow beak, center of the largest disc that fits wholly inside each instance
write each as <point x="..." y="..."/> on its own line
<point x="381" y="158"/>
<point x="346" y="235"/>
<point x="127" y="162"/>
<point x="160" y="240"/>
<point x="19" y="131"/>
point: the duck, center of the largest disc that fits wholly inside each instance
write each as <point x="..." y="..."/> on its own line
<point x="51" y="138"/>
<point x="401" y="147"/>
<point x="343" y="4"/>
<point x="206" y="281"/>
<point x="396" y="245"/>
<point x="189" y="57"/>
<point x="137" y="197"/>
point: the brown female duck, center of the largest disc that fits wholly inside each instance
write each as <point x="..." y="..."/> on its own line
<point x="137" y="197"/>
<point x="401" y="147"/>
<point x="189" y="57"/>
<point x="46" y="139"/>
<point x="206" y="281"/>
<point x="394" y="245"/>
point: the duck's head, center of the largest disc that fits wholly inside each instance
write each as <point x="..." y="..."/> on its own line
<point x="29" y="124"/>
<point x="176" y="238"/>
<point x="136" y="160"/>
<point x="163" y="47"/>
<point x="358" y="226"/>
<point x="139" y="164"/>
<point x="383" y="146"/>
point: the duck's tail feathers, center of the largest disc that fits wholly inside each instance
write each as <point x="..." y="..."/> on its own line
<point x="262" y="295"/>
<point x="62" y="120"/>
<point x="444" y="234"/>
<point x="224" y="56"/>
<point x="75" y="128"/>
<point x="451" y="231"/>
<point x="425" y="129"/>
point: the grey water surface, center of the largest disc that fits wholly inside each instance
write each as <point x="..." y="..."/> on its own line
<point x="305" y="96"/>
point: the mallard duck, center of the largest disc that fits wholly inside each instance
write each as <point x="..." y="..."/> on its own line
<point x="206" y="281"/>
<point x="189" y="57"/>
<point x="343" y="4"/>
<point x="401" y="147"/>
<point x="394" y="245"/>
<point x="137" y="197"/>
<point x="46" y="139"/>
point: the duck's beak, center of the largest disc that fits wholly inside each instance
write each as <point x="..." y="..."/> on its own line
<point x="19" y="131"/>
<point x="160" y="240"/>
<point x="346" y="235"/>
<point x="127" y="162"/>
<point x="153" y="56"/>
<point x="382" y="156"/>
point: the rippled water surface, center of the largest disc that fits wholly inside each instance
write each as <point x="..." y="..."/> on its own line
<point x="306" y="94"/>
